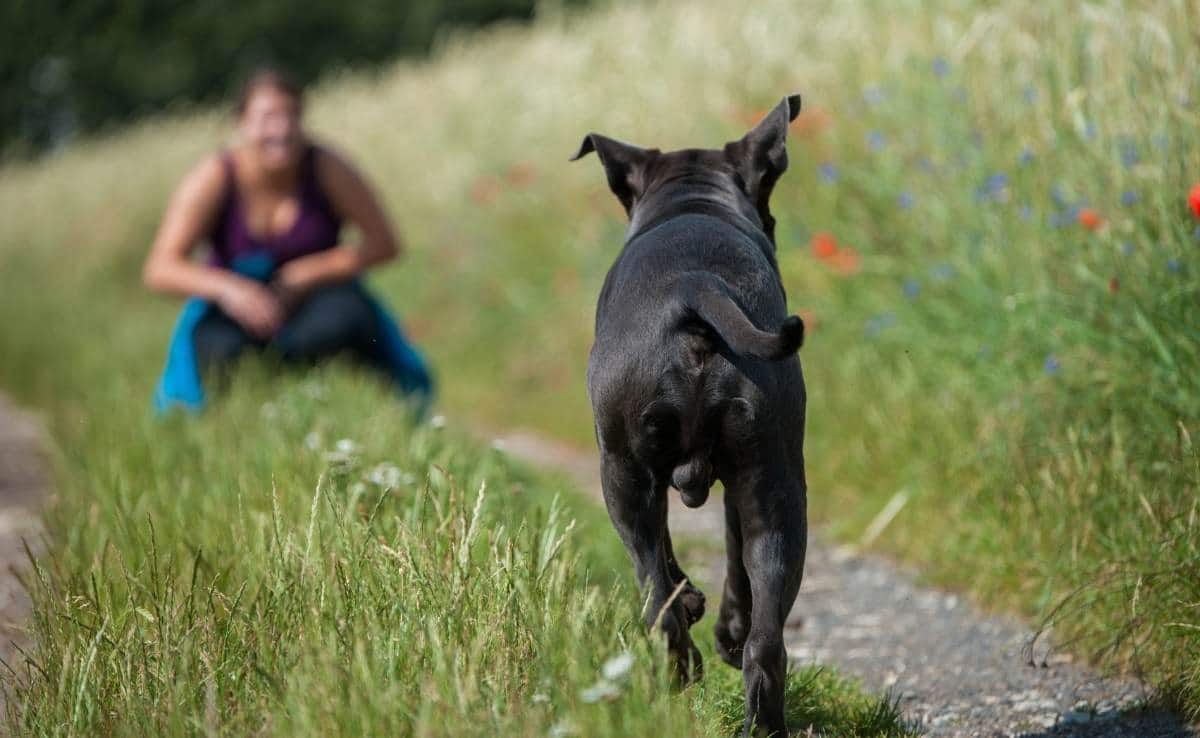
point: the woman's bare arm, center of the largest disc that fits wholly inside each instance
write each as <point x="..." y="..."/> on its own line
<point x="168" y="268"/>
<point x="353" y="200"/>
<point x="189" y="215"/>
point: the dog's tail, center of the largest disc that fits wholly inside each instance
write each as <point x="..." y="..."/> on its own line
<point x="713" y="305"/>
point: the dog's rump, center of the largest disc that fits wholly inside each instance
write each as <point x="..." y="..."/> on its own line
<point x="707" y="298"/>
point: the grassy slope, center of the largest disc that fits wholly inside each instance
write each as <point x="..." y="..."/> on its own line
<point x="976" y="361"/>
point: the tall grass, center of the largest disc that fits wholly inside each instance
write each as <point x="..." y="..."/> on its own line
<point x="300" y="561"/>
<point x="1002" y="315"/>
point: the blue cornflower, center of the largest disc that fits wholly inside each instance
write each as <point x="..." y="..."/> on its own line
<point x="1129" y="197"/>
<point x="1173" y="265"/>
<point x="1129" y="153"/>
<point x="995" y="188"/>
<point x="1059" y="197"/>
<point x="906" y="201"/>
<point x="1030" y="94"/>
<point x="1026" y="156"/>
<point x="1162" y="142"/>
<point x="1127" y="248"/>
<point x="878" y="324"/>
<point x="876" y="140"/>
<point x="828" y="172"/>
<point x="1196" y="233"/>
<point x="943" y="272"/>
<point x="1026" y="212"/>
<point x="1051" y="365"/>
<point x="912" y="288"/>
<point x="941" y="67"/>
<point x="925" y="164"/>
<point x="1090" y="130"/>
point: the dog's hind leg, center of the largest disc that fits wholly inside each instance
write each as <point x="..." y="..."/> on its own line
<point x="639" y="513"/>
<point x="733" y="622"/>
<point x="773" y="529"/>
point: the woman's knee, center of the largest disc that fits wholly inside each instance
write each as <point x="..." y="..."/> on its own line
<point x="332" y="319"/>
<point x="218" y="341"/>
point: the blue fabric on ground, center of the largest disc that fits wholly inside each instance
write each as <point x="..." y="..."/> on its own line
<point x="181" y="386"/>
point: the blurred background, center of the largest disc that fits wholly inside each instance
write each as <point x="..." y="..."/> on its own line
<point x="70" y="68"/>
<point x="985" y="225"/>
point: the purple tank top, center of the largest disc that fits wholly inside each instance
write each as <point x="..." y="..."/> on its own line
<point x="316" y="228"/>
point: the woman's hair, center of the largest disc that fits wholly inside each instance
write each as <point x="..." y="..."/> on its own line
<point x="271" y="78"/>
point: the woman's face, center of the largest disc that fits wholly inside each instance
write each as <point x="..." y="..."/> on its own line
<point x="270" y="127"/>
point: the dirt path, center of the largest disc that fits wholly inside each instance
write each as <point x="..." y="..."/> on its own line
<point x="24" y="489"/>
<point x="954" y="670"/>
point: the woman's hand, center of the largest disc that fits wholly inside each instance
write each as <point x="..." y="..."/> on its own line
<point x="253" y="306"/>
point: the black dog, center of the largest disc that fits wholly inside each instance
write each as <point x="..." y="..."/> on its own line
<point x="692" y="379"/>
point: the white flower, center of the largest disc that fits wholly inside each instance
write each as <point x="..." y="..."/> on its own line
<point x="313" y="441"/>
<point x="540" y="698"/>
<point x="601" y="690"/>
<point x="617" y="667"/>
<point x="386" y="475"/>
<point x="346" y="446"/>
<point x="562" y="729"/>
<point x="498" y="444"/>
<point x="438" y="421"/>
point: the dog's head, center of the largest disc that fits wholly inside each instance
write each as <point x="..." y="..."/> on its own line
<point x="741" y="175"/>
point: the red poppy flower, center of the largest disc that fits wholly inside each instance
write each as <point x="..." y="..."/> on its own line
<point x="521" y="174"/>
<point x="1113" y="285"/>
<point x="1090" y="219"/>
<point x="824" y="245"/>
<point x="1194" y="200"/>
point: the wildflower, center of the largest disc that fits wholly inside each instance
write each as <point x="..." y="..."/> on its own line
<point x="1113" y="285"/>
<point x="346" y="446"/>
<point x="943" y="272"/>
<point x="562" y="729"/>
<point x="484" y="189"/>
<point x="1090" y="219"/>
<point x="438" y="421"/>
<point x="878" y="324"/>
<point x="824" y="245"/>
<point x="994" y="188"/>
<point x="1196" y="233"/>
<point x="811" y="121"/>
<point x="809" y="318"/>
<point x="498" y="444"/>
<point x="1129" y="197"/>
<point x="876" y="140"/>
<point x="912" y="289"/>
<point x="1089" y="130"/>
<point x="1030" y="94"/>
<point x="1051" y="365"/>
<point x="925" y="164"/>
<point x="905" y="201"/>
<point x="312" y="441"/>
<point x="601" y="690"/>
<point x="941" y="67"/>
<point x="1026" y="212"/>
<point x="1059" y="197"/>
<point x="385" y="475"/>
<point x="1127" y="248"/>
<point x="1129" y="154"/>
<point x="617" y="667"/>
<point x="540" y="698"/>
<point x="1174" y="266"/>
<point x="844" y="261"/>
<point x="828" y="172"/>
<point x="521" y="174"/>
<point x="1026" y="156"/>
<point x="1194" y="199"/>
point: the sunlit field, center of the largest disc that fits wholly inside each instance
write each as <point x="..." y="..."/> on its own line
<point x="984" y="226"/>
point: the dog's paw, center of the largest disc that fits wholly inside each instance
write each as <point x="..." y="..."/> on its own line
<point x="692" y="600"/>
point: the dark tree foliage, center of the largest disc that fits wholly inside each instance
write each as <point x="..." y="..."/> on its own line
<point x="70" y="66"/>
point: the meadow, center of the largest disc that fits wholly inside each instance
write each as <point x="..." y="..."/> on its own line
<point x="984" y="226"/>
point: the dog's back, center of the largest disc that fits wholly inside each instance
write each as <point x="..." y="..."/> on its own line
<point x="690" y="327"/>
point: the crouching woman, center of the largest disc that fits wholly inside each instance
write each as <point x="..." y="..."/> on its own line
<point x="278" y="276"/>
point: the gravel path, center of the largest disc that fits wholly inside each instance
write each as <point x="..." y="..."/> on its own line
<point x="24" y="486"/>
<point x="953" y="670"/>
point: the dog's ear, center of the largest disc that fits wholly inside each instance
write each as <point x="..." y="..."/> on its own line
<point x="624" y="164"/>
<point x="760" y="157"/>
